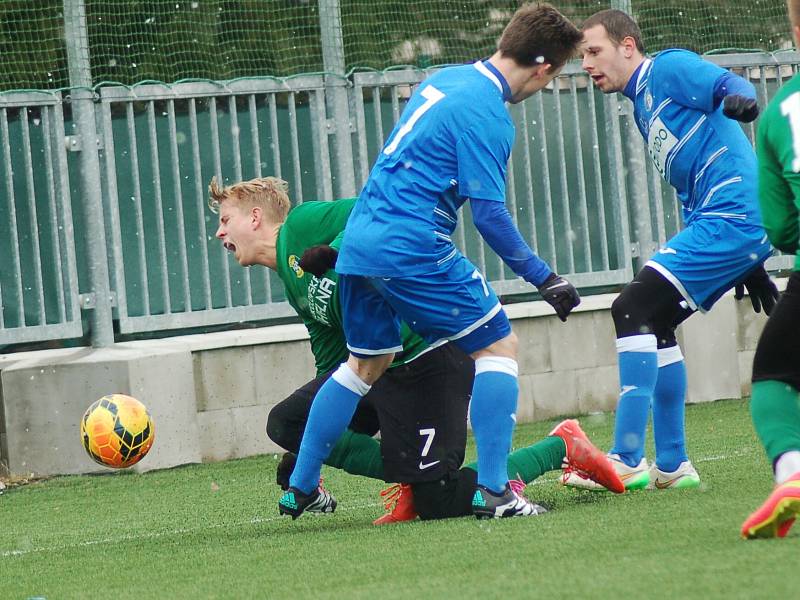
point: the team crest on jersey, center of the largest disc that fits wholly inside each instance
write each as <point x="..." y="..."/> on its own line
<point x="294" y="265"/>
<point x="648" y="100"/>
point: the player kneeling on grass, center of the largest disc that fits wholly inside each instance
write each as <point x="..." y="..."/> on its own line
<point x="419" y="406"/>
<point x="775" y="404"/>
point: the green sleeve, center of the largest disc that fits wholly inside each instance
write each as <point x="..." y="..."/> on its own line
<point x="337" y="241"/>
<point x="778" y="184"/>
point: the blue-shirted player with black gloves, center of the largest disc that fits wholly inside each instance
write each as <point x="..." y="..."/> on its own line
<point x="688" y="111"/>
<point x="397" y="260"/>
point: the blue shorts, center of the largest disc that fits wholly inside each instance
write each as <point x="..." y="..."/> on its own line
<point x="454" y="303"/>
<point x="709" y="257"/>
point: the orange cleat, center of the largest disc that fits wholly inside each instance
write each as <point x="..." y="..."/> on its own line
<point x="586" y="459"/>
<point x="776" y="516"/>
<point x="398" y="500"/>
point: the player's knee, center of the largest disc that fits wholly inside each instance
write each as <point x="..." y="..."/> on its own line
<point x="506" y="347"/>
<point x="628" y="315"/>
<point x="368" y="370"/>
<point x="511" y="342"/>
<point x="279" y="429"/>
<point x="620" y="312"/>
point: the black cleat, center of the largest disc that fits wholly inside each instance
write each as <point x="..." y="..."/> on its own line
<point x="486" y="504"/>
<point x="284" y="470"/>
<point x="294" y="502"/>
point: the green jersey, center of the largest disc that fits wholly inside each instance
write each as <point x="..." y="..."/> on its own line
<point x="778" y="149"/>
<point x="315" y="298"/>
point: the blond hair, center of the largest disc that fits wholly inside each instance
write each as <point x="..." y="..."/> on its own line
<point x="268" y="193"/>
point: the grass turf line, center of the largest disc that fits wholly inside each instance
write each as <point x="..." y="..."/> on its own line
<point x="212" y="531"/>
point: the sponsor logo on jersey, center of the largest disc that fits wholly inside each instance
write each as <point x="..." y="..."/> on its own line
<point x="648" y="100"/>
<point x="319" y="296"/>
<point x="294" y="265"/>
<point x="660" y="142"/>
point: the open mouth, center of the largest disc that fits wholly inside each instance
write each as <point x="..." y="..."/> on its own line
<point x="229" y="246"/>
<point x="597" y="78"/>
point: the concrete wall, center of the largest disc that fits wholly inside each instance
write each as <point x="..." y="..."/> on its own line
<point x="209" y="395"/>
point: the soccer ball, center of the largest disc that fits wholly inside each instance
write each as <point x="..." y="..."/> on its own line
<point x="117" y="431"/>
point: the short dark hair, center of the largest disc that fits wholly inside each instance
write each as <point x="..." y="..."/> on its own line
<point x="618" y="25"/>
<point x="537" y="34"/>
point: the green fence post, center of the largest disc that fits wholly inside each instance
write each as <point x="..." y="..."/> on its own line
<point x="86" y="142"/>
<point x="336" y="98"/>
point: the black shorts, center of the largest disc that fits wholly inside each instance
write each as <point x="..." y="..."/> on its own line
<point x="778" y="352"/>
<point x="420" y="409"/>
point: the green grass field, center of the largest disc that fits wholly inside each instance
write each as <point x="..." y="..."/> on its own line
<point x="212" y="531"/>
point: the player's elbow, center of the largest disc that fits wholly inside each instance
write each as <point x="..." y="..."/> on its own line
<point x="784" y="236"/>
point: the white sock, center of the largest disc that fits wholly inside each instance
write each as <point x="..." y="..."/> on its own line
<point x="346" y="377"/>
<point x="787" y="465"/>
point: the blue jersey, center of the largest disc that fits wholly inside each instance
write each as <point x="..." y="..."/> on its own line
<point x="703" y="154"/>
<point x="452" y="143"/>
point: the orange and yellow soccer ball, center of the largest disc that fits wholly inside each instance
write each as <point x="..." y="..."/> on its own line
<point x="117" y="431"/>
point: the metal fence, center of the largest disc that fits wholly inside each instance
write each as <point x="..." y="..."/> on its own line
<point x="105" y="190"/>
<point x="161" y="146"/>
<point x="39" y="284"/>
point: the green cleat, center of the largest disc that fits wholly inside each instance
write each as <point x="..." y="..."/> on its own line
<point x="683" y="478"/>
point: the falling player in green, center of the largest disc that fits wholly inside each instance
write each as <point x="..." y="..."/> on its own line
<point x="419" y="405"/>
<point x="775" y="404"/>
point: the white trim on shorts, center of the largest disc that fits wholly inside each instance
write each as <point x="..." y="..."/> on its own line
<point x="470" y="328"/>
<point x="667" y="274"/>
<point x="391" y="350"/>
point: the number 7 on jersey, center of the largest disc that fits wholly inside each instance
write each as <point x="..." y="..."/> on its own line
<point x="432" y="96"/>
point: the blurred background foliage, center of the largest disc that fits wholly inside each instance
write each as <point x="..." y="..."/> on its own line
<point x="169" y="40"/>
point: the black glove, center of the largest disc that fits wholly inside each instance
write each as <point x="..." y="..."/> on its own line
<point x="762" y="290"/>
<point x="318" y="259"/>
<point x="740" y="108"/>
<point x="285" y="469"/>
<point x="560" y="294"/>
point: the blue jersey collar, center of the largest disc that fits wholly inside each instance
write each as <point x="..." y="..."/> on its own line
<point x="635" y="82"/>
<point x="505" y="89"/>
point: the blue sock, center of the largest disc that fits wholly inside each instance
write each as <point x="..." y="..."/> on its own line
<point x="331" y="412"/>
<point x="638" y="371"/>
<point x="669" y="401"/>
<point x="492" y="414"/>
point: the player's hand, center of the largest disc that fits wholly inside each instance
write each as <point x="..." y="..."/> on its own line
<point x="560" y="294"/>
<point x="318" y="259"/>
<point x="762" y="290"/>
<point x="740" y="108"/>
